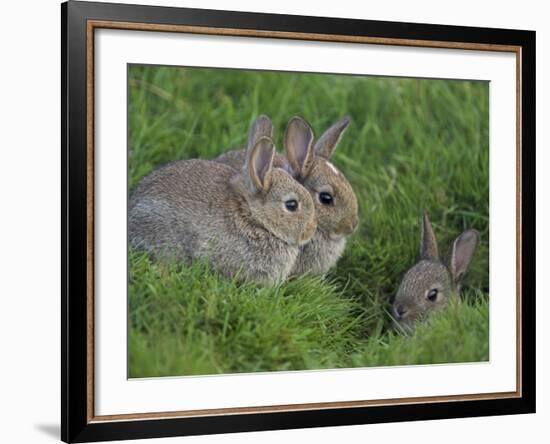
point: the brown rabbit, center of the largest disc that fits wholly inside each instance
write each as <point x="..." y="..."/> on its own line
<point x="334" y="199"/>
<point x="247" y="223"/>
<point x="432" y="282"/>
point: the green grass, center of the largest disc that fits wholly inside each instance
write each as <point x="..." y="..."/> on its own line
<point x="413" y="144"/>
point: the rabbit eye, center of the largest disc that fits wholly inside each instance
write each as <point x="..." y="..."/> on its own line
<point x="291" y="205"/>
<point x="432" y="295"/>
<point x="326" y="198"/>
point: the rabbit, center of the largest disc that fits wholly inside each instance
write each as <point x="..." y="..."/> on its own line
<point x="249" y="224"/>
<point x="335" y="202"/>
<point x="432" y="282"/>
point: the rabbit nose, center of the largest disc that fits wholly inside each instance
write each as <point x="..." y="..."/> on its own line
<point x="308" y="232"/>
<point x="354" y="223"/>
<point x="348" y="225"/>
<point x="400" y="311"/>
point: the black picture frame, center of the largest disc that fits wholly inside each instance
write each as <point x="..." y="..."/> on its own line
<point x="76" y="423"/>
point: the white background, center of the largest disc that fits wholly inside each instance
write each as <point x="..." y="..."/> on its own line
<point x="29" y="222"/>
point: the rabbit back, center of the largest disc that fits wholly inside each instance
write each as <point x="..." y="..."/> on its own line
<point x="236" y="160"/>
<point x="233" y="158"/>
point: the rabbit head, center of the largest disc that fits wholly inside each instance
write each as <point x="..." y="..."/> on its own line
<point x="431" y="283"/>
<point x="333" y="197"/>
<point x="275" y="200"/>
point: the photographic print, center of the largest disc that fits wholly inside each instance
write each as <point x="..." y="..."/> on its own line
<point x="277" y="221"/>
<point x="285" y="221"/>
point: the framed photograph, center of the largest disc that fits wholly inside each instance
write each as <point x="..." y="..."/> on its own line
<point x="276" y="221"/>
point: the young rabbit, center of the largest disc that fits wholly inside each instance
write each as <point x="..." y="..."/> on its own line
<point x="333" y="196"/>
<point x="431" y="283"/>
<point x="247" y="223"/>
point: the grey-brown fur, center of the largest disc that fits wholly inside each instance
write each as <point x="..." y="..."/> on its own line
<point x="309" y="164"/>
<point x="412" y="302"/>
<point x="237" y="220"/>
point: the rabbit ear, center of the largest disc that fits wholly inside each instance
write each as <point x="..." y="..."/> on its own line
<point x="259" y="164"/>
<point x="327" y="143"/>
<point x="428" y="242"/>
<point x="462" y="253"/>
<point x="298" y="146"/>
<point x="261" y="127"/>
